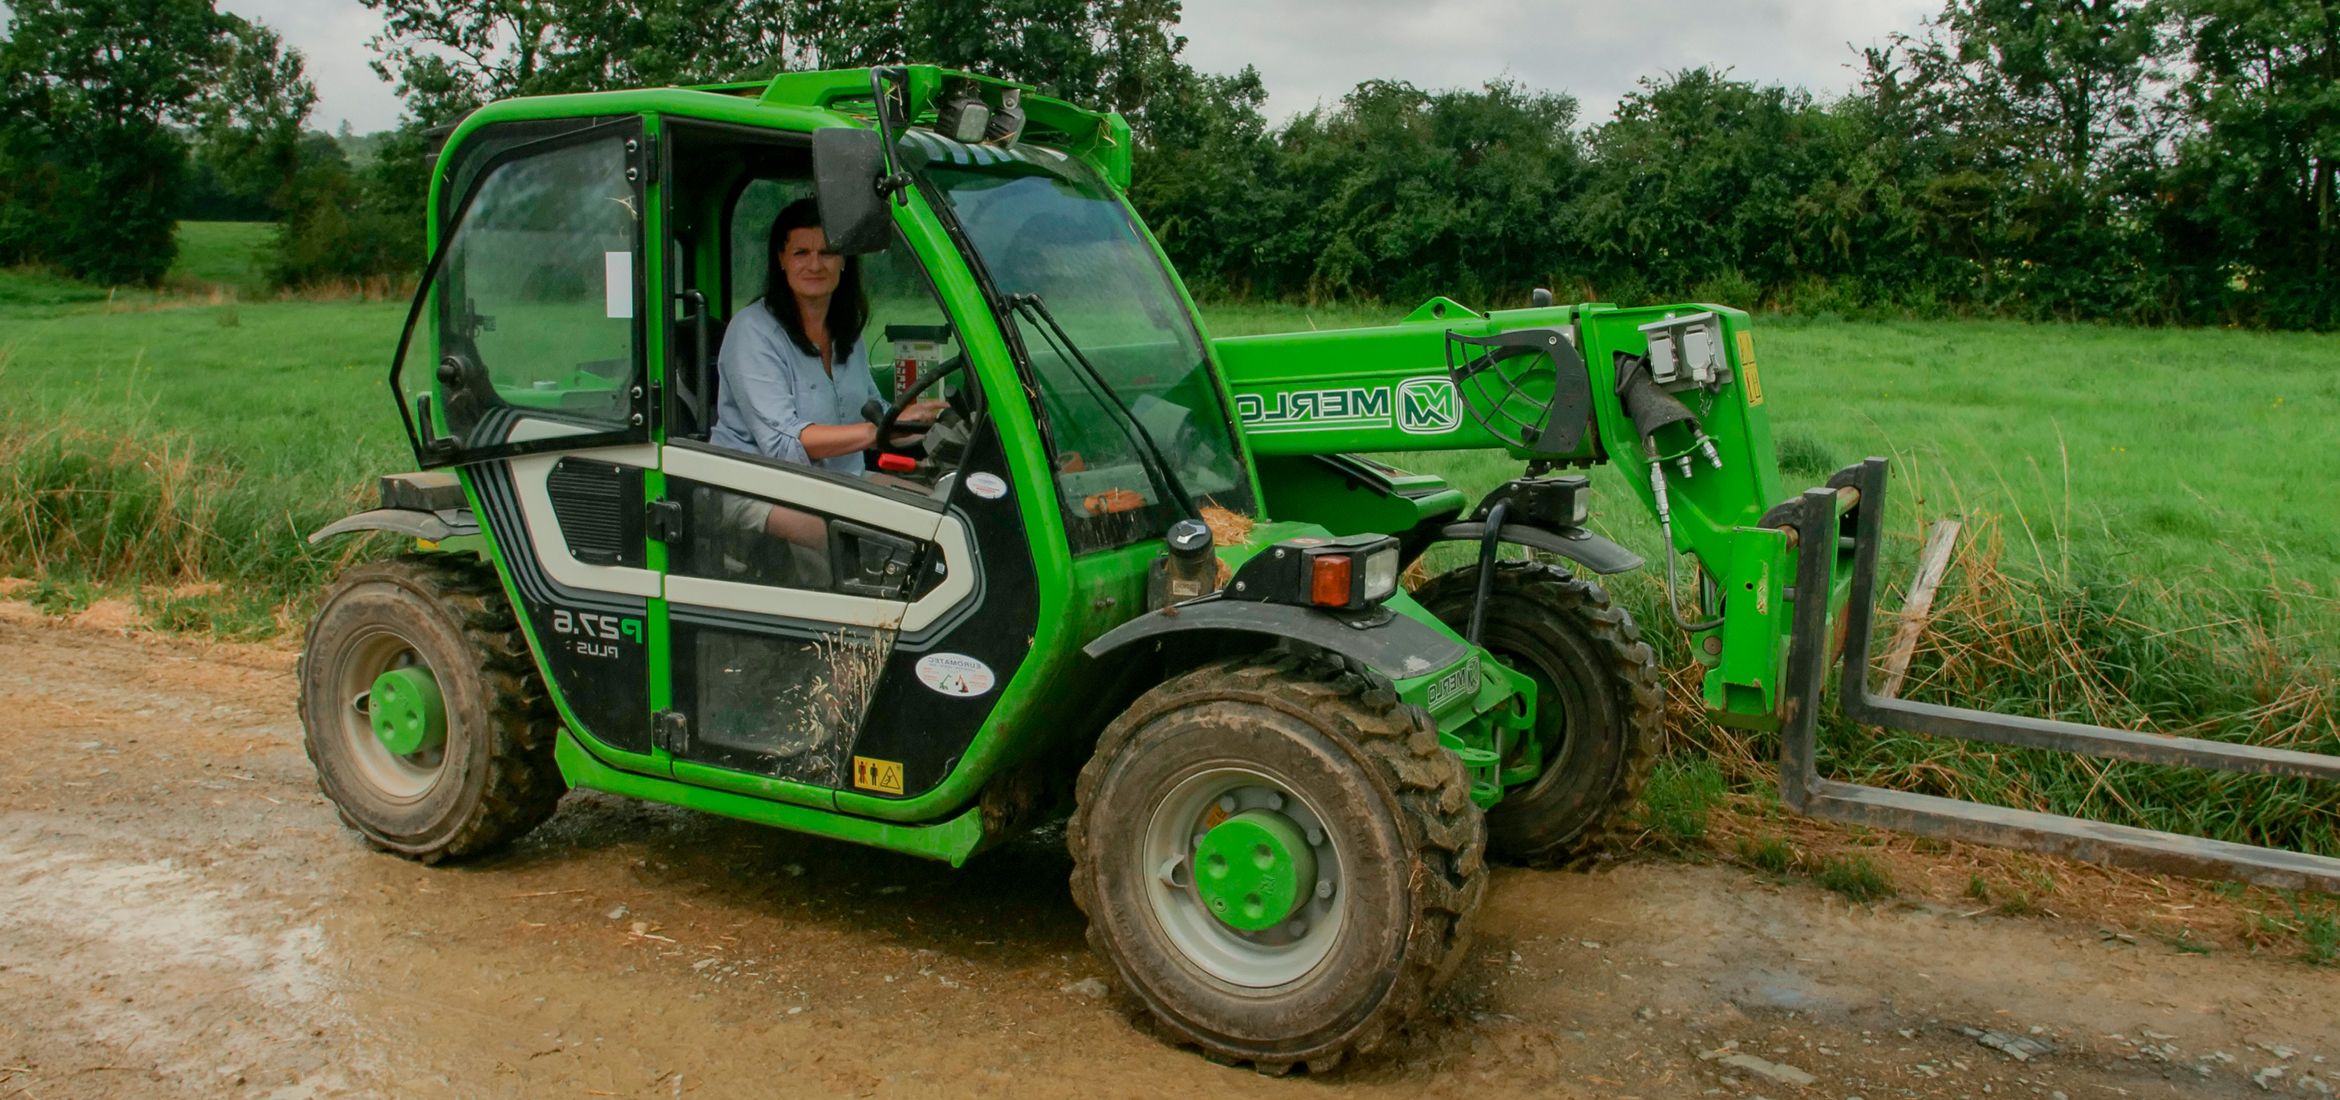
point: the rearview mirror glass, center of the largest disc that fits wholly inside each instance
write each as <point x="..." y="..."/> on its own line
<point x="847" y="164"/>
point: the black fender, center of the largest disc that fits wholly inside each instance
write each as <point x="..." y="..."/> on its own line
<point x="427" y="526"/>
<point x="1391" y="644"/>
<point x="1575" y="543"/>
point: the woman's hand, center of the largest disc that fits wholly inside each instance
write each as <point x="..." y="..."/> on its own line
<point x="922" y="412"/>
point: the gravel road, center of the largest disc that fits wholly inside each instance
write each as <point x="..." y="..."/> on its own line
<point x="180" y="914"/>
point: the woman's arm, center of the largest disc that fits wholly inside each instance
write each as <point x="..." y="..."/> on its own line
<point x="830" y="440"/>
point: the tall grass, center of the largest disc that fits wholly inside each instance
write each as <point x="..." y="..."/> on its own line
<point x="2083" y="646"/>
<point x="86" y="512"/>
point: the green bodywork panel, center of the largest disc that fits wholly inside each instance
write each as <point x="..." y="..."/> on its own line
<point x="1387" y="388"/>
<point x="950" y="841"/>
<point x="1299" y="397"/>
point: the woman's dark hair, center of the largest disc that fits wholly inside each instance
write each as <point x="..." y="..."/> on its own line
<point x="848" y="309"/>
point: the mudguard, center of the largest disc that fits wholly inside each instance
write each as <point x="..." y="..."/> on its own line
<point x="427" y="526"/>
<point x="1576" y="544"/>
<point x="1394" y="645"/>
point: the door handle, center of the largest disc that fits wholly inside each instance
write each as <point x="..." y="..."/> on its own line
<point x="869" y="562"/>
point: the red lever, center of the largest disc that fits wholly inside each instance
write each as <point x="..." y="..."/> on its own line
<point x="897" y="464"/>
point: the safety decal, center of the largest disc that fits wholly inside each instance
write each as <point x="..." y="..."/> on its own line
<point x="989" y="486"/>
<point x="884" y="776"/>
<point x="1754" y="382"/>
<point x="954" y="674"/>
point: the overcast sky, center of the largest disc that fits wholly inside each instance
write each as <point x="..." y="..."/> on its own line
<point x="1311" y="51"/>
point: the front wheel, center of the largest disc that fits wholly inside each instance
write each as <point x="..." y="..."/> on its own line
<point x="1599" y="707"/>
<point x="423" y="713"/>
<point x="1277" y="858"/>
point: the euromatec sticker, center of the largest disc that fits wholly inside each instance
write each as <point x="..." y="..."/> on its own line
<point x="955" y="674"/>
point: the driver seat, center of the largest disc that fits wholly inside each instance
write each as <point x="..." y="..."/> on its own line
<point x="694" y="411"/>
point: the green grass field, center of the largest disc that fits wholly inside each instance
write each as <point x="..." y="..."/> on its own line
<point x="2199" y="458"/>
<point x="225" y="254"/>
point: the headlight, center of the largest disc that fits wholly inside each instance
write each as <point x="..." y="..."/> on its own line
<point x="1381" y="574"/>
<point x="1348" y="573"/>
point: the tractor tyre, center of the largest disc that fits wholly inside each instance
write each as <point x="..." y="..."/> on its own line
<point x="1186" y="795"/>
<point x="1600" y="708"/>
<point x="427" y="633"/>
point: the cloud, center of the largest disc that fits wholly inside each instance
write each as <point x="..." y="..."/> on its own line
<point x="331" y="35"/>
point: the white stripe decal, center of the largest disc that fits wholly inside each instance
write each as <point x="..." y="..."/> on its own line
<point x="870" y="507"/>
<point x="544" y="527"/>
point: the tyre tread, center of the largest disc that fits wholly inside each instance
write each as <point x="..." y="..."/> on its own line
<point x="1439" y="819"/>
<point x="523" y="783"/>
<point x="1584" y="605"/>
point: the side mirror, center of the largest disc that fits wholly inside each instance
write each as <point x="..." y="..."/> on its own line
<point x="849" y="167"/>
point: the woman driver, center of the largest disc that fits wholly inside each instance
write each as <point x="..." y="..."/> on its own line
<point x="796" y="371"/>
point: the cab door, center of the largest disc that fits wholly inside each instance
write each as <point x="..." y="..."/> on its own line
<point x="790" y="589"/>
<point x="523" y="365"/>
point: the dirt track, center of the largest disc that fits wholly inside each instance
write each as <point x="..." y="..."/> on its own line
<point x="180" y="914"/>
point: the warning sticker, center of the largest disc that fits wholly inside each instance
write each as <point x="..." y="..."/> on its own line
<point x="1754" y="385"/>
<point x="877" y="775"/>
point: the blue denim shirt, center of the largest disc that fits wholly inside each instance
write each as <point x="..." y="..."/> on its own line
<point x="772" y="391"/>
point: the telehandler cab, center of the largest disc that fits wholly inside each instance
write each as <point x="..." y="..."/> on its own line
<point x="1133" y="571"/>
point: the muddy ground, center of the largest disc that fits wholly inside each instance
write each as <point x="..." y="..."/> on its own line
<point x="180" y="914"/>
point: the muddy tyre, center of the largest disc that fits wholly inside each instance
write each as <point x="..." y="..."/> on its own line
<point x="1222" y="761"/>
<point x="1600" y="712"/>
<point x="462" y="759"/>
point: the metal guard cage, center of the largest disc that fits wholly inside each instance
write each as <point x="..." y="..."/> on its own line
<point x="1500" y="382"/>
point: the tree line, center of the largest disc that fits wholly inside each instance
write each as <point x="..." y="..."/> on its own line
<point x="2146" y="161"/>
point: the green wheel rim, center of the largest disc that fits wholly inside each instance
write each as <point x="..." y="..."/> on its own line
<point x="407" y="712"/>
<point x="358" y="666"/>
<point x="1175" y="846"/>
<point x="1254" y="869"/>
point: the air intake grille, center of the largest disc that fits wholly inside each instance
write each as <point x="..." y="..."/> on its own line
<point x="599" y="507"/>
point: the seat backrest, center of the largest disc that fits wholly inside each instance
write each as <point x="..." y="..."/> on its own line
<point x="694" y="411"/>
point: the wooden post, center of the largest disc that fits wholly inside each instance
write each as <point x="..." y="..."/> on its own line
<point x="1918" y="608"/>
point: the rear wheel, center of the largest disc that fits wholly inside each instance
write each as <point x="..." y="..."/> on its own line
<point x="1277" y="858"/>
<point x="422" y="711"/>
<point x="1599" y="707"/>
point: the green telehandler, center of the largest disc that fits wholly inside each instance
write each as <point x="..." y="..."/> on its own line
<point x="1131" y="571"/>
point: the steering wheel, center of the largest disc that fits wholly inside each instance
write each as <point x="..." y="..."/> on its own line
<point x="885" y="424"/>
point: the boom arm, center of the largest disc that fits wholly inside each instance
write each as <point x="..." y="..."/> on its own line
<point x="1689" y="421"/>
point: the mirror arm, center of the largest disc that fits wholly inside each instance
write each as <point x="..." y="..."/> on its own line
<point x="894" y="183"/>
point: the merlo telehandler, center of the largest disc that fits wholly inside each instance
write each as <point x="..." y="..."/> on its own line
<point x="1132" y="572"/>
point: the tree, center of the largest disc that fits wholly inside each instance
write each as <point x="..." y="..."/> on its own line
<point x="2252" y="228"/>
<point x="2048" y="144"/>
<point x="253" y="115"/>
<point x="95" y="97"/>
<point x="448" y="56"/>
<point x="1701" y="179"/>
<point x="1204" y="177"/>
<point x="1405" y="194"/>
<point x="1113" y="53"/>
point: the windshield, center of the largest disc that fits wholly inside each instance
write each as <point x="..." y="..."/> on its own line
<point x="1045" y="224"/>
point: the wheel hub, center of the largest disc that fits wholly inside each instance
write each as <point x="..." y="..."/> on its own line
<point x="406" y="710"/>
<point x="1254" y="870"/>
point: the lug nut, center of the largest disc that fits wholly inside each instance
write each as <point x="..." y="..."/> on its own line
<point x="1227" y="803"/>
<point x="1315" y="837"/>
<point x="1324" y="887"/>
